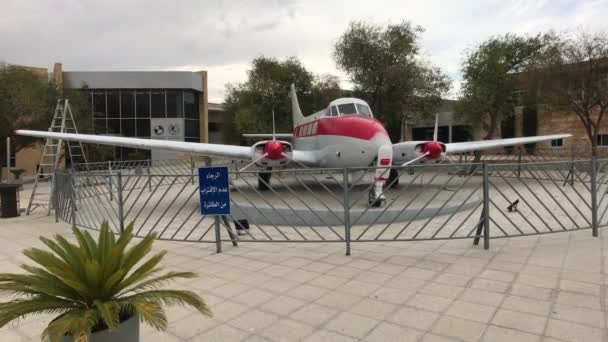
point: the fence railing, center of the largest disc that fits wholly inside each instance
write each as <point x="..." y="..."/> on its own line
<point x="426" y="202"/>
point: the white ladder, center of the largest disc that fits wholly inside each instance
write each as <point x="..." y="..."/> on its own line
<point x="63" y="122"/>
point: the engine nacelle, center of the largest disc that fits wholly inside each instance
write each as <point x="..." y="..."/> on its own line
<point x="272" y="153"/>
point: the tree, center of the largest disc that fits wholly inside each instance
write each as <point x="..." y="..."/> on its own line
<point x="28" y="100"/>
<point x="495" y="78"/>
<point x="385" y="66"/>
<point x="577" y="80"/>
<point x="249" y="105"/>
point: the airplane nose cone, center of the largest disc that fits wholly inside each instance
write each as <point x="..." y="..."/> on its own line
<point x="433" y="149"/>
<point x="274" y="150"/>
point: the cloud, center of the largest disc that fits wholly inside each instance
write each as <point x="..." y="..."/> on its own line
<point x="223" y="36"/>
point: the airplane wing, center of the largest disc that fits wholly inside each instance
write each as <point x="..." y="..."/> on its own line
<point x="268" y="135"/>
<point x="468" y="146"/>
<point x="230" y="151"/>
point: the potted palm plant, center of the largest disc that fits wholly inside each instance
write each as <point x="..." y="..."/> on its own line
<point x="100" y="290"/>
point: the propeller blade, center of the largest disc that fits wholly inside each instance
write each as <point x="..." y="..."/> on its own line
<point x="415" y="159"/>
<point x="255" y="161"/>
<point x="436" y="127"/>
<point x="448" y="158"/>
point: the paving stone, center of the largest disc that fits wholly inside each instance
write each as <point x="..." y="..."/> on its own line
<point x="521" y="321"/>
<point x="500" y="334"/>
<point x="529" y="305"/>
<point x="459" y="328"/>
<point x="286" y="328"/>
<point x="414" y="318"/>
<point x="387" y="332"/>
<point x="471" y="311"/>
<point x="352" y="324"/>
<point x="329" y="336"/>
<point x="567" y="331"/>
<point x="283" y="305"/>
<point x="431" y="303"/>
<point x="314" y="314"/>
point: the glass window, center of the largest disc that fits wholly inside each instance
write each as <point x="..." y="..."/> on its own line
<point x="158" y="104"/>
<point x="128" y="127"/>
<point x="127" y="104"/>
<point x="143" y="105"/>
<point x="363" y="110"/>
<point x="143" y="128"/>
<point x="347" y="108"/>
<point x="192" y="128"/>
<point x="557" y="143"/>
<point x="190" y="105"/>
<point x="174" y="104"/>
<point x="99" y="105"/>
<point x="114" y="126"/>
<point x="113" y="104"/>
<point x="100" y="126"/>
<point x="334" y="111"/>
<point x="602" y="139"/>
<point x="314" y="128"/>
<point x="308" y="129"/>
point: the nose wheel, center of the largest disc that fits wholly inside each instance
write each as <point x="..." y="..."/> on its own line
<point x="375" y="200"/>
<point x="264" y="180"/>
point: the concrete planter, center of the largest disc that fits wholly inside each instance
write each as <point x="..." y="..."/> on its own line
<point x="128" y="332"/>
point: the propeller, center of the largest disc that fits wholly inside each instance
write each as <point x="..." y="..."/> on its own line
<point x="415" y="159"/>
<point x="435" y="132"/>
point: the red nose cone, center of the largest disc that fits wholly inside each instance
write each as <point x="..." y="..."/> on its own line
<point x="273" y="150"/>
<point x="433" y="149"/>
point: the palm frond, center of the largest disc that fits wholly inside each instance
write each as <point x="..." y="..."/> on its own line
<point x="150" y="312"/>
<point x="158" y="281"/>
<point x="172" y="297"/>
<point x="142" y="271"/>
<point x="19" y="308"/>
<point x="109" y="313"/>
<point x="77" y="323"/>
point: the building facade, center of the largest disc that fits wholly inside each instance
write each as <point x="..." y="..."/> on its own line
<point x="144" y="104"/>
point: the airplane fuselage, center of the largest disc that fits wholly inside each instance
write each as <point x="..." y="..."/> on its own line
<point x="342" y="141"/>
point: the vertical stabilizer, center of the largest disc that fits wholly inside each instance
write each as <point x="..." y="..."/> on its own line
<point x="295" y="107"/>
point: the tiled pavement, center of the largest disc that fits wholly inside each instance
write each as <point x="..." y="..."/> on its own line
<point x="547" y="288"/>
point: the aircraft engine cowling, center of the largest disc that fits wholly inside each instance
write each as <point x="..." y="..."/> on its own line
<point x="433" y="149"/>
<point x="272" y="153"/>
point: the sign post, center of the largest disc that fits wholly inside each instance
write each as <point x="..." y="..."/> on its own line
<point x="214" y="191"/>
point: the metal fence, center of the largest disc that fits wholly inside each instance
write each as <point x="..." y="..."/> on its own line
<point x="430" y="202"/>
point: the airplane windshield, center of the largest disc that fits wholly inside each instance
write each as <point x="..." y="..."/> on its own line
<point x="364" y="110"/>
<point x="347" y="108"/>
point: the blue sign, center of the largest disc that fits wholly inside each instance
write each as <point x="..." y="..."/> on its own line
<point x="214" y="190"/>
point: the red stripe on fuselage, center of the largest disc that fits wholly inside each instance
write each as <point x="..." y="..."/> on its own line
<point x="352" y="126"/>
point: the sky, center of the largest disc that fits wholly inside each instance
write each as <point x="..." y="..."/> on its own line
<point x="223" y="37"/>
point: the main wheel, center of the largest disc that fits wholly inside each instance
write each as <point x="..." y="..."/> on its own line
<point x="393" y="178"/>
<point x="264" y="180"/>
<point x="373" y="201"/>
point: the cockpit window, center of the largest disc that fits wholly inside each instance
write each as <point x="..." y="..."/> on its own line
<point x="364" y="110"/>
<point x="334" y="111"/>
<point x="347" y="108"/>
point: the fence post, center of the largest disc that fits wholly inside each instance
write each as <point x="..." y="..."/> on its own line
<point x="346" y="210"/>
<point x="55" y="197"/>
<point x="594" y="196"/>
<point x="519" y="162"/>
<point x="486" y="206"/>
<point x="72" y="199"/>
<point x="149" y="176"/>
<point x="121" y="218"/>
<point x="191" y="170"/>
<point x="218" y="238"/>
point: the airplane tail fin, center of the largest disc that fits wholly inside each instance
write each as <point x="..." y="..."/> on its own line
<point x="295" y="106"/>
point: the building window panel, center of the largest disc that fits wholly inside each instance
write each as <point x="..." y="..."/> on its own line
<point x="100" y="126"/>
<point x="99" y="105"/>
<point x="557" y="143"/>
<point x="191" y="105"/>
<point x="113" y="103"/>
<point x="157" y="109"/>
<point x="192" y="129"/>
<point x="142" y="109"/>
<point x="128" y="127"/>
<point x="127" y="104"/>
<point x="114" y="126"/>
<point x="143" y="128"/>
<point x="174" y="105"/>
<point x="602" y="139"/>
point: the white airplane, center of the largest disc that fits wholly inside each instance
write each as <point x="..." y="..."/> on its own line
<point x="345" y="134"/>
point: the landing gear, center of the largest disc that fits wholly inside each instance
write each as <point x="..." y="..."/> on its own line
<point x="264" y="180"/>
<point x="375" y="200"/>
<point x="393" y="178"/>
